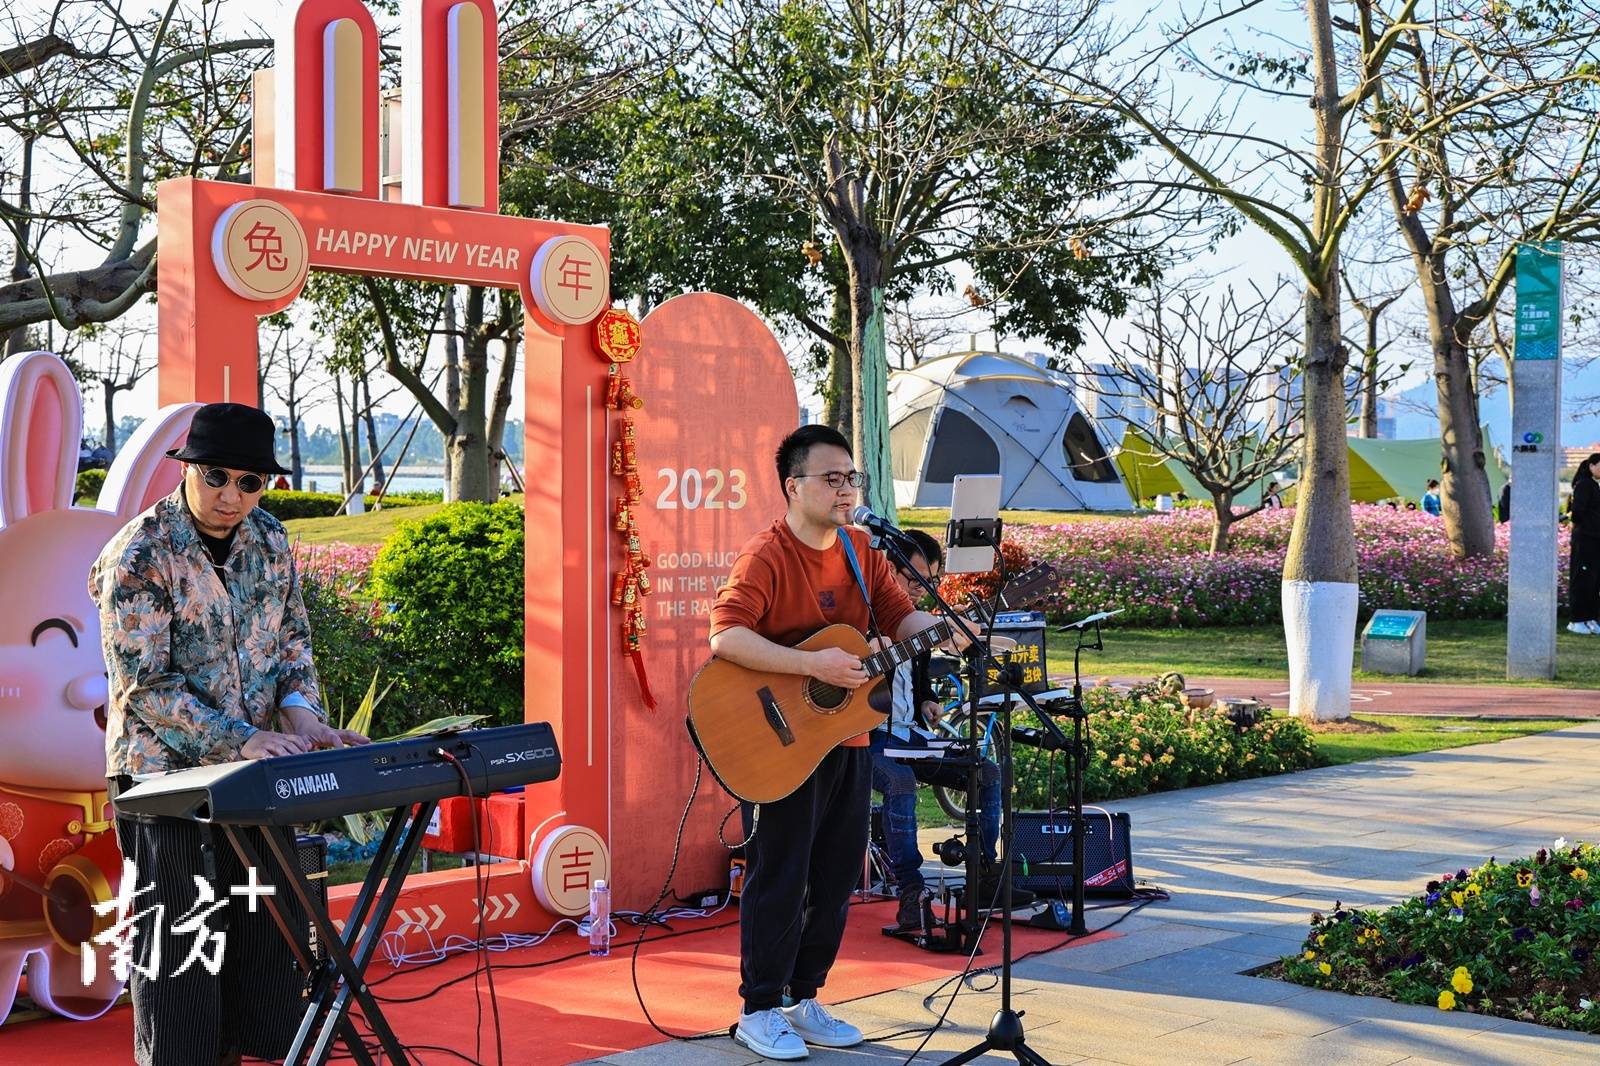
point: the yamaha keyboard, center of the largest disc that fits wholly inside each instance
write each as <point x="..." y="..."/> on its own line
<point x="294" y="789"/>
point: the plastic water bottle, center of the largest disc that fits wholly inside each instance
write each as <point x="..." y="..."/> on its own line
<point x="600" y="919"/>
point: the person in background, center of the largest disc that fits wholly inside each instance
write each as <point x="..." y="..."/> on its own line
<point x="280" y="484"/>
<point x="912" y="698"/>
<point x="1503" y="508"/>
<point x="1583" y="587"/>
<point x="1430" y="499"/>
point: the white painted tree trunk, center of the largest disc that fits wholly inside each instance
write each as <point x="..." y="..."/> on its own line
<point x="1319" y="624"/>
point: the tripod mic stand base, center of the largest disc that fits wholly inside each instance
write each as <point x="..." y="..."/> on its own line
<point x="1005" y="1034"/>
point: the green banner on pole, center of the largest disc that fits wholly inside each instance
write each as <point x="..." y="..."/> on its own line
<point x="1539" y="301"/>
<point x="879" y="494"/>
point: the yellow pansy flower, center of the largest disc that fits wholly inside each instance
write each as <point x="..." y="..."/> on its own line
<point x="1447" y="1000"/>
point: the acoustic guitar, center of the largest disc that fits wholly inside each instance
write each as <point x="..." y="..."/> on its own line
<point x="763" y="734"/>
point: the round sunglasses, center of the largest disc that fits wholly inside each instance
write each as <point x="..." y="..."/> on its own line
<point x="217" y="478"/>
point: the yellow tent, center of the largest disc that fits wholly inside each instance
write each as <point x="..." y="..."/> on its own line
<point x="1148" y="473"/>
<point x="1382" y="469"/>
<point x="1379" y="470"/>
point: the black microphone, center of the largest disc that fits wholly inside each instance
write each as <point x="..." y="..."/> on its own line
<point x="883" y="529"/>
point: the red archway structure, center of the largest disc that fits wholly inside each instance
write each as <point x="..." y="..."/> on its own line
<point x="231" y="253"/>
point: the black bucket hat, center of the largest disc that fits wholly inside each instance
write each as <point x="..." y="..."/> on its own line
<point x="231" y="435"/>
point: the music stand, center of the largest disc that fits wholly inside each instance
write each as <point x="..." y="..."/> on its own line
<point x="982" y="532"/>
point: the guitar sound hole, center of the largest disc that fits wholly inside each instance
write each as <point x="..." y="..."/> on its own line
<point x="825" y="697"/>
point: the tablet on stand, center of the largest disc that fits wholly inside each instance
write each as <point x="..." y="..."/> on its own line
<point x="973" y="535"/>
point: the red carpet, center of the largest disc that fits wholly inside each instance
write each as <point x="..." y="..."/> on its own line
<point x="575" y="1009"/>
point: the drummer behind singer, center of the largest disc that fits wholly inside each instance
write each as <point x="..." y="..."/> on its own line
<point x="208" y="656"/>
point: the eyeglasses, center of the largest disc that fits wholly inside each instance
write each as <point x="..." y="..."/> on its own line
<point x="217" y="478"/>
<point x="837" y="479"/>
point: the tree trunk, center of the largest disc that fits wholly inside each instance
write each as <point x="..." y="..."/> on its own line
<point x="17" y="341"/>
<point x="452" y="386"/>
<point x="1369" y="383"/>
<point x="357" y="463"/>
<point x="109" y="395"/>
<point x="510" y="339"/>
<point x="1319" y="570"/>
<point x="837" y="392"/>
<point x="1464" y="477"/>
<point x="1221" y="522"/>
<point x="296" y="462"/>
<point x="469" y="457"/>
<point x="372" y="427"/>
<point x="344" y="439"/>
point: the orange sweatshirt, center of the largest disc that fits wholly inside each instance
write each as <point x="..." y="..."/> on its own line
<point x="786" y="590"/>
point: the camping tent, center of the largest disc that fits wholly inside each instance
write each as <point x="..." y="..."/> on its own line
<point x="1148" y="473"/>
<point x="1381" y="469"/>
<point x="989" y="413"/>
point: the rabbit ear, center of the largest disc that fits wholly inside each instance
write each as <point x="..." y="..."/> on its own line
<point x="41" y="426"/>
<point x="142" y="474"/>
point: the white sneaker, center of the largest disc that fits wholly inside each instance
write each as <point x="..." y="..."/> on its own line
<point x="769" y="1034"/>
<point x="1580" y="627"/>
<point x="815" y="1025"/>
<point x="1594" y="627"/>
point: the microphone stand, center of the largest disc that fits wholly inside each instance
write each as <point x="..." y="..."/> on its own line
<point x="1005" y="1029"/>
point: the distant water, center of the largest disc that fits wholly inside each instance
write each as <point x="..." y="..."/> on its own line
<point x="326" y="479"/>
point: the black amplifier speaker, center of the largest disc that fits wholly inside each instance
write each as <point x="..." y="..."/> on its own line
<point x="1046" y="836"/>
<point x="312" y="853"/>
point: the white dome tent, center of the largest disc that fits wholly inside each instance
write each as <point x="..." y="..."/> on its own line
<point x="991" y="413"/>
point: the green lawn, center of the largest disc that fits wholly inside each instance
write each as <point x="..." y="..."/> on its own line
<point x="933" y="519"/>
<point x="1459" y="652"/>
<point x="1404" y="735"/>
<point x="373" y="527"/>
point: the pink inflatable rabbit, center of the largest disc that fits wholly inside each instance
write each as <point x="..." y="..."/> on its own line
<point x="55" y="828"/>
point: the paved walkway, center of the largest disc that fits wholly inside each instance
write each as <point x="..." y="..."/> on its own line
<point x="1413" y="697"/>
<point x="1247" y="863"/>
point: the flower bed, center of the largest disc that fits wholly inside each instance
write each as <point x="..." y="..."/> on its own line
<point x="345" y="567"/>
<point x="1158" y="571"/>
<point x="1142" y="741"/>
<point x="1516" y="940"/>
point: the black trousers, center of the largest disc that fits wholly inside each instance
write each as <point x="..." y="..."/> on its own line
<point x="252" y="1005"/>
<point x="1583" y="586"/>
<point x="800" y="867"/>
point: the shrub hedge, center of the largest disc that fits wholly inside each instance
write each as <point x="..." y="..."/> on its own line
<point x="450" y="590"/>
<point x="89" y="484"/>
<point x="1516" y="940"/>
<point x="284" y="504"/>
<point x="1145" y="741"/>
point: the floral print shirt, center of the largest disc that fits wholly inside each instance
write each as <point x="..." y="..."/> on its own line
<point x="196" y="664"/>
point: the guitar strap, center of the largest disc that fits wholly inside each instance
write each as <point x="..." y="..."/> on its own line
<point x="855" y="569"/>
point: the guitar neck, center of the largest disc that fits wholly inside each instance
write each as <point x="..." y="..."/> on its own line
<point x="883" y="662"/>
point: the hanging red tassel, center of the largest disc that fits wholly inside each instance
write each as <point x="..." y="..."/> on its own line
<point x="644" y="682"/>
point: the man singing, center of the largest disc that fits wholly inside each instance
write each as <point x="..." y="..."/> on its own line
<point x="790" y="580"/>
<point x="208" y="657"/>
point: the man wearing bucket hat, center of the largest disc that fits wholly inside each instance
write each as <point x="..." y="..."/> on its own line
<point x="208" y="656"/>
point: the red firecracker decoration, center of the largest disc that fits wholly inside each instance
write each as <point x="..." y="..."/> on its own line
<point x="617" y="338"/>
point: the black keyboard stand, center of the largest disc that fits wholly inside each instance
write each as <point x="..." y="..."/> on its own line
<point x="339" y="978"/>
